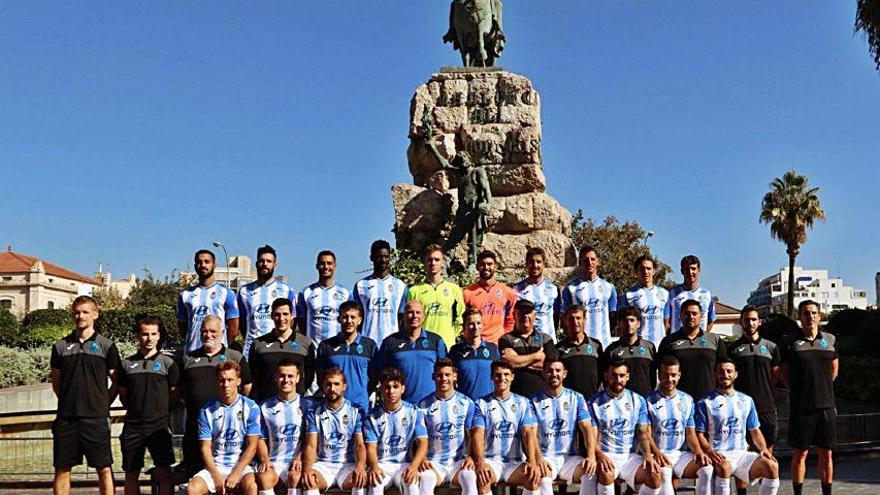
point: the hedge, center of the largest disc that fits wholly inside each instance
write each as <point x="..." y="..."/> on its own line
<point x="46" y="318"/>
<point x="31" y="366"/>
<point x="119" y="324"/>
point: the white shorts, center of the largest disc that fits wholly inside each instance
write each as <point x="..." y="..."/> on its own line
<point x="563" y="467"/>
<point x="446" y="473"/>
<point x="741" y="461"/>
<point x="281" y="469"/>
<point x="205" y="475"/>
<point x="334" y="473"/>
<point x="625" y="466"/>
<point x="393" y="474"/>
<point x="501" y="469"/>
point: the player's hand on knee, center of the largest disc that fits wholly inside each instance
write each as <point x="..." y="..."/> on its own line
<point x="662" y="459"/>
<point x="425" y="466"/>
<point x="589" y="465"/>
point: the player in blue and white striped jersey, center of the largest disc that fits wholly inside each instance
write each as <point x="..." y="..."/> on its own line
<point x="229" y="431"/>
<point x="334" y="453"/>
<point x="396" y="439"/>
<point x="282" y="432"/>
<point x="690" y="289"/>
<point x="561" y="413"/>
<point x="255" y="299"/>
<point x="207" y="297"/>
<point x="671" y="412"/>
<point x="597" y="296"/>
<point x="543" y="293"/>
<point x="317" y="306"/>
<point x="381" y="295"/>
<point x="506" y="451"/>
<point x="652" y="300"/>
<point x="624" y="447"/>
<point x="722" y="419"/>
<point x="452" y="421"/>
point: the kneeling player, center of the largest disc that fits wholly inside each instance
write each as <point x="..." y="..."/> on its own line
<point x="624" y="448"/>
<point x="391" y="430"/>
<point x="671" y="412"/>
<point x="722" y="418"/>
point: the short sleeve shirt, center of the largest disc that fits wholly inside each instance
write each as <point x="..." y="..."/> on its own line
<point x="198" y="375"/>
<point x="599" y="299"/>
<point x="640" y="358"/>
<point x="810" y="376"/>
<point x="319" y="306"/>
<point x="755" y="361"/>
<point x="354" y="361"/>
<point x="545" y="296"/>
<point x="670" y="418"/>
<point x="697" y="357"/>
<point x="616" y="419"/>
<point x="583" y="362"/>
<point x="474" y="367"/>
<point x="382" y="299"/>
<point x="394" y="432"/>
<point x="679" y="294"/>
<point x="197" y="302"/>
<point x="336" y="430"/>
<point x="558" y="419"/>
<point x="415" y="358"/>
<point x="653" y="304"/>
<point x="85" y="368"/>
<point x="268" y="351"/>
<point x="448" y="422"/>
<point x="505" y="420"/>
<point x="227" y="427"/>
<point x="444" y="306"/>
<point x="527" y="381"/>
<point x="148" y="382"/>
<point x="255" y="307"/>
<point x="726" y="419"/>
<point x="495" y="303"/>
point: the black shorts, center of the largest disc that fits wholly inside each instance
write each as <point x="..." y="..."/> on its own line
<point x="74" y="437"/>
<point x="136" y="439"/>
<point x="816" y="427"/>
<point x="769" y="427"/>
<point x="192" y="454"/>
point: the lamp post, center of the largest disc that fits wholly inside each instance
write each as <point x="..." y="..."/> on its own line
<point x="228" y="272"/>
<point x="648" y="235"/>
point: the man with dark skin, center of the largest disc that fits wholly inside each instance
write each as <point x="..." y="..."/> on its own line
<point x="207" y="297"/>
<point x="696" y="350"/>
<point x="381" y="295"/>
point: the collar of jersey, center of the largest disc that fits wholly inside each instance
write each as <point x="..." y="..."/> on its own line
<point x="202" y="353"/>
<point x="819" y="336"/>
<point x="684" y="335"/>
<point x="71" y="337"/>
<point x="236" y="401"/>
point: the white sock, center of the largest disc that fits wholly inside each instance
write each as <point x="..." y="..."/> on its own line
<point x="355" y="491"/>
<point x="768" y="486"/>
<point x="427" y="482"/>
<point x="468" y="481"/>
<point x="646" y="490"/>
<point x="312" y="492"/>
<point x="588" y="484"/>
<point x="722" y="486"/>
<point x="546" y="487"/>
<point x="411" y="489"/>
<point x="294" y="491"/>
<point x="605" y="489"/>
<point x="266" y="492"/>
<point x="666" y="481"/>
<point x="531" y="492"/>
<point x="703" y="485"/>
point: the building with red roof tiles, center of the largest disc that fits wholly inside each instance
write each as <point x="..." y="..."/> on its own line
<point x="28" y="283"/>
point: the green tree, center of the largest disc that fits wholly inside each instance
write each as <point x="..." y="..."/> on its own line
<point x="868" y="22"/>
<point x="108" y="298"/>
<point x="618" y="245"/>
<point x="152" y="292"/>
<point x="790" y="208"/>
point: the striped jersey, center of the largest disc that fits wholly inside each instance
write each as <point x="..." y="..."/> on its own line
<point x="444" y="305"/>
<point x="670" y="416"/>
<point x="653" y="304"/>
<point x="255" y="307"/>
<point x="448" y="422"/>
<point x="545" y="296"/>
<point x="320" y="307"/>
<point x="226" y="426"/>
<point x="382" y="299"/>
<point x="281" y="424"/>
<point x="725" y="419"/>
<point x="598" y="298"/>
<point x="336" y="430"/>
<point x="616" y="419"/>
<point x="394" y="432"/>
<point x="558" y="419"/>
<point x="679" y="294"/>
<point x="197" y="302"/>
<point x="505" y="420"/>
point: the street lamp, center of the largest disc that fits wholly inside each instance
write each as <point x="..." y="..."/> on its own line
<point x="228" y="272"/>
<point x="648" y="235"/>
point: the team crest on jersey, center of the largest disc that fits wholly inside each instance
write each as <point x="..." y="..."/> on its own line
<point x="446" y="292"/>
<point x="704" y="342"/>
<point x="589" y="348"/>
<point x="359" y="349"/>
<point x="642" y="351"/>
<point x="548" y="291"/>
<point x="425" y="343"/>
<point x="498" y="292"/>
<point x="294" y="346"/>
<point x="513" y="407"/>
<point x="389" y="286"/>
<point x="538" y="339"/>
<point x="274" y="292"/>
<point x="565" y="406"/>
<point x="156" y="366"/>
<point x="94" y="347"/>
<point x="456" y="409"/>
<point x="345" y="420"/>
<point x="404" y="421"/>
<point x="823" y="343"/>
<point x="337" y="296"/>
<point x="486" y="353"/>
<point x="222" y="358"/>
<point x="213" y="295"/>
<point x="680" y="406"/>
<point x="763" y="349"/>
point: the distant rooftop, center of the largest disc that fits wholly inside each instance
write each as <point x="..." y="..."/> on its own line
<point x="12" y="262"/>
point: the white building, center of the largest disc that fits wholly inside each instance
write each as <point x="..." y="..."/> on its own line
<point x="28" y="283"/>
<point x="830" y="293"/>
<point x="122" y="286"/>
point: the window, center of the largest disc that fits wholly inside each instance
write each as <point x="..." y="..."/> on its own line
<point x="7" y="279"/>
<point x="50" y="305"/>
<point x="833" y="285"/>
<point x="6" y="304"/>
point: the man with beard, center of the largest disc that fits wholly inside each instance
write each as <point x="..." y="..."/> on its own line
<point x="350" y="352"/>
<point x="317" y="306"/>
<point x="581" y="354"/>
<point x="652" y="300"/>
<point x="442" y="299"/>
<point x="281" y="344"/>
<point x="381" y="295"/>
<point x="635" y="351"/>
<point x="543" y="293"/>
<point x="255" y="299"/>
<point x="526" y="349"/>
<point x="696" y="350"/>
<point x="494" y="299"/>
<point x="474" y="357"/>
<point x="596" y="295"/>
<point x="206" y="298"/>
<point x="690" y="289"/>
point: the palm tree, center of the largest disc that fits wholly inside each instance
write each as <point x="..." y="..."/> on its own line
<point x="791" y="207"/>
<point x="868" y="22"/>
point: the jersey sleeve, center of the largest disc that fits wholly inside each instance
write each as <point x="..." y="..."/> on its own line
<point x="583" y="412"/>
<point x="264" y="427"/>
<point x="565" y="299"/>
<point x="311" y="421"/>
<point x="700" y="416"/>
<point x="474" y="418"/>
<point x="711" y="317"/>
<point x="231" y="305"/>
<point x="775" y="358"/>
<point x="752" y="419"/>
<point x="549" y="348"/>
<point x="243" y="323"/>
<point x="113" y="361"/>
<point x="356" y="293"/>
<point x="612" y="298"/>
<point x="528" y="416"/>
<point x="441" y="348"/>
<point x="642" y="418"/>
<point x="173" y="374"/>
<point x="252" y="426"/>
<point x="301" y="305"/>
<point x="54" y="358"/>
<point x="369" y="431"/>
<point x="122" y="377"/>
<point x="667" y="312"/>
<point x="204" y="425"/>
<point x="689" y="420"/>
<point x="403" y="298"/>
<point x="181" y="308"/>
<point x="504" y="343"/>
<point x="420" y="430"/>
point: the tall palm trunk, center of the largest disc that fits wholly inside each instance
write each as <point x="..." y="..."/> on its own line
<point x="792" y="250"/>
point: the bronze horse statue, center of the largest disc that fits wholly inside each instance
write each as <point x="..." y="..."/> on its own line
<point x="475" y="30"/>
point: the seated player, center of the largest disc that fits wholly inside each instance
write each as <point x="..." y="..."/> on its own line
<point x="229" y="430"/>
<point x="396" y="439"/>
<point x="722" y="419"/>
<point x="452" y="423"/>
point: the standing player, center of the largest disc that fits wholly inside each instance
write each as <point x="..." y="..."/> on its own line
<point x="334" y="452"/>
<point x="229" y="430"/>
<point x="507" y="453"/>
<point x="255" y="299"/>
<point x="561" y="413"/>
<point x="636" y="352"/>
<point x="442" y="299"/>
<point x="809" y="365"/>
<point x="543" y="293"/>
<point x="381" y="295"/>
<point x="206" y="298"/>
<point x="597" y="296"/>
<point x="671" y="412"/>
<point x="281" y="344"/>
<point x="696" y="350"/>
<point x="396" y="438"/>
<point x="147" y="381"/>
<point x="81" y="363"/>
<point x="317" y="306"/>
<point x="473" y="357"/>
<point x="580" y="354"/>
<point x="690" y="289"/>
<point x="282" y="432"/>
<point x="494" y="299"/>
<point x="722" y="418"/>
<point x="650" y="299"/>
<point x="526" y="349"/>
<point x="624" y="447"/>
<point x="350" y="352"/>
<point x="452" y="423"/>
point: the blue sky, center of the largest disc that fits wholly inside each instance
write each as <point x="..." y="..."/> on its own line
<point x="135" y="133"/>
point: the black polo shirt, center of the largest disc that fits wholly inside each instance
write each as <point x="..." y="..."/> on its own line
<point x="640" y="358"/>
<point x="755" y="361"/>
<point x="198" y="376"/>
<point x="527" y="381"/>
<point x="809" y="363"/>
<point x="148" y="382"/>
<point x="697" y="357"/>
<point x="85" y="367"/>
<point x="267" y="351"/>
<point x="583" y="361"/>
